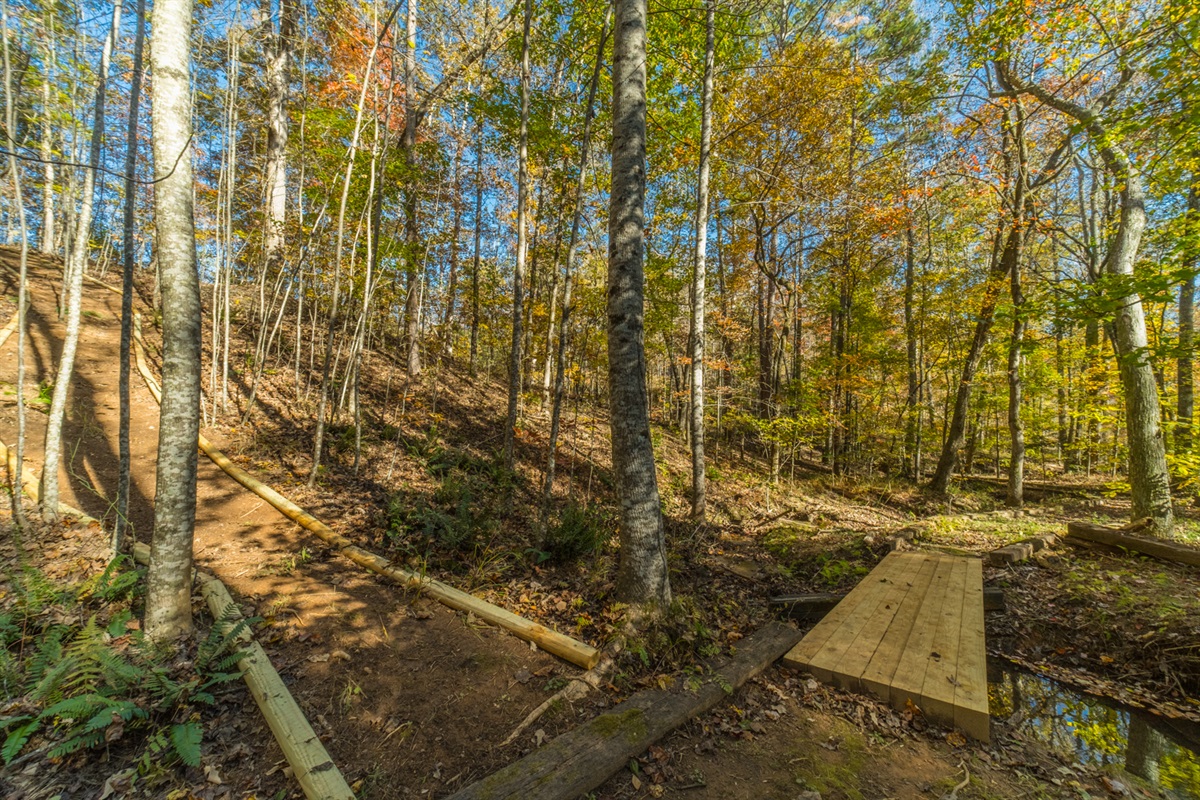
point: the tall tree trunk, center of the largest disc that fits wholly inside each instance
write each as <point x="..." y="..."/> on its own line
<point x="696" y="334"/>
<point x="131" y="142"/>
<point x="1016" y="428"/>
<point x="169" y="583"/>
<point x="46" y="238"/>
<point x="1021" y="222"/>
<point x="76" y="265"/>
<point x="278" y="67"/>
<point x="455" y="234"/>
<point x="912" y="403"/>
<point x="514" y="359"/>
<point x="642" y="575"/>
<point x="1187" y="324"/>
<point x="1001" y="264"/>
<point x="412" y="302"/>
<point x="18" y="197"/>
<point x="476" y="258"/>
<point x="1149" y="480"/>
<point x="568" y="309"/>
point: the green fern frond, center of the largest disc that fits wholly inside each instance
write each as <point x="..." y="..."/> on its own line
<point x="17" y="738"/>
<point x="74" y="744"/>
<point x="186" y="740"/>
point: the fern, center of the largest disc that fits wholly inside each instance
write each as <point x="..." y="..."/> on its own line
<point x="186" y="739"/>
<point x="17" y="738"/>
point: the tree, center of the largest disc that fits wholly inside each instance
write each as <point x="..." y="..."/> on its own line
<point x="642" y="576"/>
<point x="169" y="582"/>
<point x="127" y="259"/>
<point x="73" y="284"/>
<point x="514" y="358"/>
<point x="698" y="270"/>
<point x="10" y="126"/>
<point x="1150" y="482"/>
<point x="278" y="63"/>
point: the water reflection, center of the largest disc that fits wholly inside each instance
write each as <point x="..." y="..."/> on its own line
<point x="1097" y="732"/>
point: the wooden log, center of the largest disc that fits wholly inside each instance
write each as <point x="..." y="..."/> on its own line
<point x="1114" y="537"/>
<point x="318" y="776"/>
<point x="805" y="608"/>
<point x="1022" y="550"/>
<point x="564" y="647"/>
<point x="579" y="761"/>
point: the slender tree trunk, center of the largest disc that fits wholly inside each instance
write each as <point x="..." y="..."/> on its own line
<point x="169" y="583"/>
<point x="319" y="436"/>
<point x="642" y="575"/>
<point x="696" y="334"/>
<point x="18" y="198"/>
<point x="455" y="235"/>
<point x="412" y="303"/>
<point x="476" y="261"/>
<point x="131" y="142"/>
<point x="76" y="265"/>
<point x="568" y="309"/>
<point x="1021" y="225"/>
<point x="46" y="238"/>
<point x="278" y="64"/>
<point x="1016" y="428"/>
<point x="1001" y="264"/>
<point x="1187" y="324"/>
<point x="912" y="403"/>
<point x="514" y="360"/>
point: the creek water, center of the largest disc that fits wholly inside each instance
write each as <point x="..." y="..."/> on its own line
<point x="1097" y="732"/>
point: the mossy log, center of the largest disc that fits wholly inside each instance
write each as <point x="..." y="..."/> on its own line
<point x="1114" y="537"/>
<point x="579" y="761"/>
<point x="564" y="647"/>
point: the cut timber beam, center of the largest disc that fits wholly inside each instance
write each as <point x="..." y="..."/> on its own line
<point x="579" y="761"/>
<point x="564" y="647"/>
<point x="1159" y="548"/>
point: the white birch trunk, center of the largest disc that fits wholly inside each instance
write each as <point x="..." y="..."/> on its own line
<point x="169" y="583"/>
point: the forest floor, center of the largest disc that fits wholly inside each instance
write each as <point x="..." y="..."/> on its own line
<point x="413" y="699"/>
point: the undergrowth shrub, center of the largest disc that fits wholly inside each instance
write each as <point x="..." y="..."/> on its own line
<point x="579" y="531"/>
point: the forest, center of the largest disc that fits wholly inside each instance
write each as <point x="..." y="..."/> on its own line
<point x="453" y="371"/>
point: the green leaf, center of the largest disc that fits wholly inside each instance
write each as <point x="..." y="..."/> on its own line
<point x="17" y="739"/>
<point x="186" y="739"/>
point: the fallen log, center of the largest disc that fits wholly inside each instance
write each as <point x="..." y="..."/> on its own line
<point x="806" y="608"/>
<point x="564" y="647"/>
<point x="1116" y="537"/>
<point x="579" y="761"/>
<point x="318" y="776"/>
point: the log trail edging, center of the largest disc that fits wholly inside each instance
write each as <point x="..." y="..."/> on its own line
<point x="572" y="650"/>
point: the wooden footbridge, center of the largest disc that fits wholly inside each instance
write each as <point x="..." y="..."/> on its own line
<point x="911" y="631"/>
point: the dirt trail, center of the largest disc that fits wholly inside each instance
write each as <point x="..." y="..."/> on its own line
<point x="366" y="661"/>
